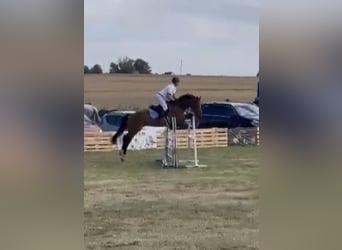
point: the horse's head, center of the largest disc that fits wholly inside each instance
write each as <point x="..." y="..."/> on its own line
<point x="192" y="102"/>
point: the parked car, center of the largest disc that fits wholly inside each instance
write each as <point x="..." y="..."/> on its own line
<point x="111" y="121"/>
<point x="229" y="115"/>
<point x="89" y="126"/>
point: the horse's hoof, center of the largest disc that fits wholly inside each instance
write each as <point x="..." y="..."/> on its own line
<point x="121" y="156"/>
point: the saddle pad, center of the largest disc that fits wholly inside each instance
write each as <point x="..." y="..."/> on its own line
<point x="153" y="114"/>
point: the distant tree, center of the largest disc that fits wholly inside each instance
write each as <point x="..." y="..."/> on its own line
<point x="114" y="68"/>
<point x="142" y="66"/>
<point x="126" y="65"/>
<point x="168" y="73"/>
<point x="96" y="69"/>
<point x="86" y="69"/>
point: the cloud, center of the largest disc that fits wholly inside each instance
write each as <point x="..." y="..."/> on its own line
<point x="163" y="32"/>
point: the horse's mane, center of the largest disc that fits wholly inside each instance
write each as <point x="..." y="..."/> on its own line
<point x="186" y="96"/>
<point x="183" y="99"/>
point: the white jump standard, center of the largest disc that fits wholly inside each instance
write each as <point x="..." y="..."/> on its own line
<point x="170" y="158"/>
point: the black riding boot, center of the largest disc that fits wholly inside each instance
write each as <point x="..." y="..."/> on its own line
<point x="163" y="113"/>
<point x="165" y="116"/>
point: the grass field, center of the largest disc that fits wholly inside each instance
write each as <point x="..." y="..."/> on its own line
<point x="126" y="91"/>
<point x="138" y="205"/>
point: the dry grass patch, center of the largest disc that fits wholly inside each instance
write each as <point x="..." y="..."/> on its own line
<point x="138" y="205"/>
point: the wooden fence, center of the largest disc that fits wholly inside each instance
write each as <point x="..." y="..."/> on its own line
<point x="98" y="142"/>
<point x="206" y="138"/>
<point x="258" y="136"/>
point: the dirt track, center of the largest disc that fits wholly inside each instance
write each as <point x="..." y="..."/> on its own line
<point x="119" y="91"/>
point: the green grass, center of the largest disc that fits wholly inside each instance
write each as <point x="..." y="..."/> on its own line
<point x="138" y="205"/>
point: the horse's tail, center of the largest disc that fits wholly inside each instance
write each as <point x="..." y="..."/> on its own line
<point x="122" y="128"/>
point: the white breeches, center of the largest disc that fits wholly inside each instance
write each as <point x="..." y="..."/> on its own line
<point x="162" y="102"/>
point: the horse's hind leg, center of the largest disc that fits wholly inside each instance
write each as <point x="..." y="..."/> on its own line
<point x="126" y="140"/>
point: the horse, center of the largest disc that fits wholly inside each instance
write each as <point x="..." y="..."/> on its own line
<point x="135" y="122"/>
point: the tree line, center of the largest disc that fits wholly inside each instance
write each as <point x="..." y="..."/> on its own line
<point x="124" y="65"/>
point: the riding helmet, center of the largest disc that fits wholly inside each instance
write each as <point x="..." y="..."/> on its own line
<point x="175" y="80"/>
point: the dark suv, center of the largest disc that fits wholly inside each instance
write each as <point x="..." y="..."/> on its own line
<point x="229" y="115"/>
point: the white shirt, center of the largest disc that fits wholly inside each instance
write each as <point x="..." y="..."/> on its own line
<point x="168" y="90"/>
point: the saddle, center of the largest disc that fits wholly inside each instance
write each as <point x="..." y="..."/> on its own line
<point x="156" y="112"/>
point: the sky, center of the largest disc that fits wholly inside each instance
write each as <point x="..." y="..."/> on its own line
<point x="217" y="37"/>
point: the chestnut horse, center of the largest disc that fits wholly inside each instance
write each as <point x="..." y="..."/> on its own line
<point x="133" y="123"/>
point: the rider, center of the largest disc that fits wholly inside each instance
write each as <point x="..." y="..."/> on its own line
<point x="167" y="94"/>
